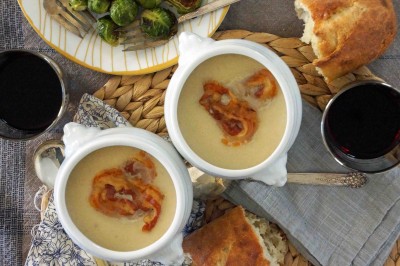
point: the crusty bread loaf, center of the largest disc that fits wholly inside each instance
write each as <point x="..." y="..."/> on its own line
<point x="236" y="238"/>
<point x="346" y="34"/>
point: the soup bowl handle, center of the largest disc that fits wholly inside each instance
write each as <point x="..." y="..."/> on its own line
<point x="75" y="135"/>
<point x="189" y="46"/>
<point x="172" y="254"/>
<point x="275" y="174"/>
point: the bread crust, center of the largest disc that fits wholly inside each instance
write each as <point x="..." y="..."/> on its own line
<point x="228" y="240"/>
<point x="350" y="33"/>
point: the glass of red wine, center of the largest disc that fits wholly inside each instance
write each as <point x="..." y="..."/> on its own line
<point x="361" y="126"/>
<point x="32" y="94"/>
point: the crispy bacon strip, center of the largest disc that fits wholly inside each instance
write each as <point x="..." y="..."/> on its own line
<point x="152" y="199"/>
<point x="141" y="166"/>
<point x="126" y="190"/>
<point x="111" y="192"/>
<point x="236" y="118"/>
<point x="261" y="85"/>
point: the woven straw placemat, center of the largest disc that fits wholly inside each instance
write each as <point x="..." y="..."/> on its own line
<point x="140" y="99"/>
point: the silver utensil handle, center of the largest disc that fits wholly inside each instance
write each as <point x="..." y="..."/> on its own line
<point x="206" y="9"/>
<point x="354" y="180"/>
<point x="50" y="154"/>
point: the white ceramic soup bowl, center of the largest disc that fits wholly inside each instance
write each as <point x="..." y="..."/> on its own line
<point x="193" y="51"/>
<point x="81" y="141"/>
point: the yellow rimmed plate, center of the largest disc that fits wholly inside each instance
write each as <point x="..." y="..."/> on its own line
<point x="93" y="53"/>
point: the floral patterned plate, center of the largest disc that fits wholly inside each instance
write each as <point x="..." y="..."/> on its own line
<point x="95" y="54"/>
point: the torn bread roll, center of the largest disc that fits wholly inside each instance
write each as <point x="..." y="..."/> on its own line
<point x="236" y="238"/>
<point x="346" y="34"/>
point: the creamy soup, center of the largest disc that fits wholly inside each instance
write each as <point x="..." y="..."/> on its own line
<point x="201" y="130"/>
<point x="109" y="225"/>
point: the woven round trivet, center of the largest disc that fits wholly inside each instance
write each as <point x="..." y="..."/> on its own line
<point x="140" y="99"/>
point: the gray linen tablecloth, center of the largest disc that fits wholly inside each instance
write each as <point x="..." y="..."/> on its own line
<point x="328" y="225"/>
<point x="17" y="181"/>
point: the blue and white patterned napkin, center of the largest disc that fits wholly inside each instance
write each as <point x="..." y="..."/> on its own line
<point x="50" y="244"/>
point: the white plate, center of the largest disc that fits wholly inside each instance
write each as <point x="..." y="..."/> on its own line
<point x="96" y="54"/>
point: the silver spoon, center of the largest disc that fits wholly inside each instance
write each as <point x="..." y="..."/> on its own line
<point x="47" y="158"/>
<point x="353" y="179"/>
<point x="50" y="154"/>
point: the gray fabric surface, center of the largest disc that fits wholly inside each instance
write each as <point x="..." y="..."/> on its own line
<point x="12" y="156"/>
<point x="18" y="184"/>
<point x="331" y="226"/>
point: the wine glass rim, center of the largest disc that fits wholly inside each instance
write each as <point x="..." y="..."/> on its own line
<point x="25" y="134"/>
<point x="346" y="88"/>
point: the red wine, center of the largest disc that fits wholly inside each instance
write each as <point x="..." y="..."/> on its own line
<point x="364" y="122"/>
<point x="30" y="91"/>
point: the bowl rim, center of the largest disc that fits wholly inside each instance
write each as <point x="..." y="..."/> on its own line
<point x="139" y="142"/>
<point x="272" y="62"/>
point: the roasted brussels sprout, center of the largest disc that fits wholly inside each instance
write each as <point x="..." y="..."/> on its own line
<point x="106" y="30"/>
<point x="123" y="12"/>
<point x="99" y="6"/>
<point x="159" y="23"/>
<point x="185" y="6"/>
<point x="149" y="4"/>
<point x="78" y="5"/>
